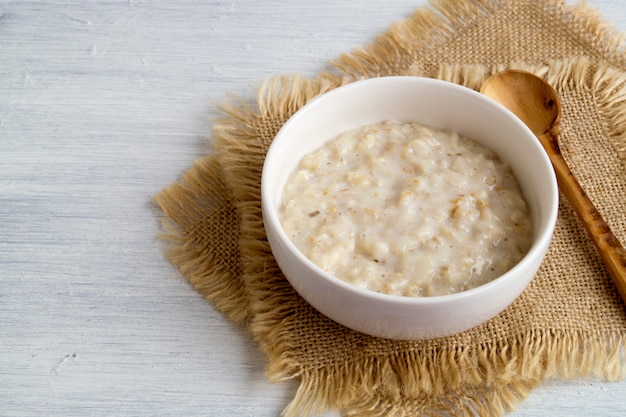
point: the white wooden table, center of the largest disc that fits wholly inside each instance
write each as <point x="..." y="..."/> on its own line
<point x="102" y="104"/>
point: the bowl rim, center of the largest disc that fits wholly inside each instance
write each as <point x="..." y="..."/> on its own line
<point x="540" y="242"/>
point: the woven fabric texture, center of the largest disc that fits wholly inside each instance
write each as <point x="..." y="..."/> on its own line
<point x="570" y="322"/>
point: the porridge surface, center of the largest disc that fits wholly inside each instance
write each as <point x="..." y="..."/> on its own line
<point x="405" y="209"/>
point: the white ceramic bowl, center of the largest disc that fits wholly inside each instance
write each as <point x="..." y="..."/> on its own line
<point x="435" y="103"/>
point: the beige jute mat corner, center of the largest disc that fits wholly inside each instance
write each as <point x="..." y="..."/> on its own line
<point x="570" y="322"/>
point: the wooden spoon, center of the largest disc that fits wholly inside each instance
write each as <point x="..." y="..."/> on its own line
<point x="536" y="103"/>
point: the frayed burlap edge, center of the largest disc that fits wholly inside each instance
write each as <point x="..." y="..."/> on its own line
<point x="544" y="355"/>
<point x="198" y="201"/>
<point x="435" y="25"/>
<point x="502" y="375"/>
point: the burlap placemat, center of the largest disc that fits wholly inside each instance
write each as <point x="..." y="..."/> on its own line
<point x="570" y="322"/>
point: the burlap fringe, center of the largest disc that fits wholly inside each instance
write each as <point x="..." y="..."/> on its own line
<point x="187" y="204"/>
<point x="489" y="381"/>
<point x="469" y="402"/>
<point x="436" y="25"/>
<point x="495" y="374"/>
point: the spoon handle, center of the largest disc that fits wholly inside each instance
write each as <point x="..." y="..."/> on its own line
<point x="609" y="247"/>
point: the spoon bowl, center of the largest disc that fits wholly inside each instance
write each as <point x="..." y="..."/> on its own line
<point x="537" y="104"/>
<point x="532" y="99"/>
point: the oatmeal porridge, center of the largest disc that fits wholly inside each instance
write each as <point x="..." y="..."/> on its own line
<point x="406" y="209"/>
